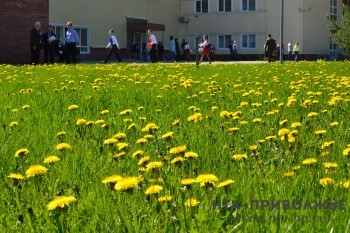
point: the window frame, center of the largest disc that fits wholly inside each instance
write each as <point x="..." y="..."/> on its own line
<point x="248" y="41"/>
<point x="201" y="6"/>
<point x="224" y="6"/>
<point x="248" y="6"/>
<point x="224" y="38"/>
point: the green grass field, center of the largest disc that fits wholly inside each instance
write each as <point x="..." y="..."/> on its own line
<point x="175" y="148"/>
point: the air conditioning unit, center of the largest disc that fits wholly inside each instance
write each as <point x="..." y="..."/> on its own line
<point x="184" y="19"/>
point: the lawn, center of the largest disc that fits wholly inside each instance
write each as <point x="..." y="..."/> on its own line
<point x="175" y="148"/>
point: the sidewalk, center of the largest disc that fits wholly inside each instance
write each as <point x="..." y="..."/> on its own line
<point x="141" y="62"/>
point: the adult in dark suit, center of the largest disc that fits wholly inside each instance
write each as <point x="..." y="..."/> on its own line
<point x="49" y="44"/>
<point x="35" y="43"/>
<point x="270" y="47"/>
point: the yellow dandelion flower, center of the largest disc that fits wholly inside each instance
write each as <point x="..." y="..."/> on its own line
<point x="81" y="122"/>
<point x="178" y="150"/>
<point x="73" y="107"/>
<point x="188" y="182"/>
<point x="309" y="161"/>
<point x="289" y="174"/>
<point x="330" y="165"/>
<point x="240" y="157"/>
<point x="127" y="183"/>
<point x="122" y="145"/>
<point x="195" y="117"/>
<point x="312" y="114"/>
<point x="60" y="201"/>
<point x="191" y="154"/>
<point x="154" y="189"/>
<point x="270" y="138"/>
<point x="325" y="153"/>
<point x="326" y="181"/>
<point x="125" y="112"/>
<point x="141" y="141"/>
<point x="21" y="152"/>
<point x="153" y="166"/>
<point x="335" y="123"/>
<point x="191" y="202"/>
<point x="89" y="123"/>
<point x="168" y="135"/>
<point x="63" y="146"/>
<point x="225" y="183"/>
<point x="112" y="179"/>
<point x="178" y="160"/>
<point x="346" y="152"/>
<point x="119" y="136"/>
<point x="165" y="199"/>
<point x="320" y="132"/>
<point x="143" y="160"/>
<point x="140" y="108"/>
<point x="25" y="107"/>
<point x="296" y="125"/>
<point x="148" y="136"/>
<point x="35" y="170"/>
<point x="344" y="184"/>
<point x="13" y="124"/>
<point x="51" y="159"/>
<point x="60" y="134"/>
<point x="283" y="132"/>
<point x="295" y="168"/>
<point x="137" y="153"/>
<point x="99" y="122"/>
<point x="104" y="112"/>
<point x="176" y="122"/>
<point x="233" y="130"/>
<point x="207" y="179"/>
<point x="327" y="144"/>
<point x="253" y="147"/>
<point x="243" y="122"/>
<point x="119" y="155"/>
<point x="257" y="120"/>
<point x="15" y="176"/>
<point x="110" y="141"/>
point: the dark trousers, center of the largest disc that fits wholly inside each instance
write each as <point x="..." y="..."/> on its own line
<point x="153" y="53"/>
<point x="269" y="56"/>
<point x="49" y="54"/>
<point x="114" y="50"/>
<point x="71" y="51"/>
<point x="35" y="56"/>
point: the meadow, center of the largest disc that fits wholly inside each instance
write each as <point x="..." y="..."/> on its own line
<point x="175" y="148"/>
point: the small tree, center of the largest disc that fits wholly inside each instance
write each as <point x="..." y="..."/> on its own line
<point x="341" y="30"/>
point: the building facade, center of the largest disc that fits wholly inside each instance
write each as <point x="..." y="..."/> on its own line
<point x="246" y="21"/>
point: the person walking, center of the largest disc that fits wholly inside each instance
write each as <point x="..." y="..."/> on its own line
<point x="290" y="50"/>
<point x="235" y="51"/>
<point x="152" y="45"/>
<point x="205" y="47"/>
<point x="35" y="43"/>
<point x="270" y="47"/>
<point x="172" y="49"/>
<point x="49" y="42"/>
<point x="71" y="41"/>
<point x="113" y="47"/>
<point x="177" y="50"/>
<point x="187" y="52"/>
<point x="296" y="51"/>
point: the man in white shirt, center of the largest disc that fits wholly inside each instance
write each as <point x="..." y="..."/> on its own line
<point x="290" y="50"/>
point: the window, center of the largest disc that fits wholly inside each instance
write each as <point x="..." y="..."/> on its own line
<point x="202" y="6"/>
<point x="224" y="41"/>
<point x="83" y="32"/>
<point x="334" y="10"/>
<point x="334" y="15"/>
<point x="225" y="5"/>
<point x="248" y="41"/>
<point x="248" y="5"/>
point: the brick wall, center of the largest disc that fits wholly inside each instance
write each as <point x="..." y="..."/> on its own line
<point x="17" y="18"/>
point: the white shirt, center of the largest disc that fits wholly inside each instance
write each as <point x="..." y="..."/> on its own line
<point x="153" y="39"/>
<point x="114" y="41"/>
<point x="289" y="47"/>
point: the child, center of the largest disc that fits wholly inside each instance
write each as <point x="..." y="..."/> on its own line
<point x="114" y="47"/>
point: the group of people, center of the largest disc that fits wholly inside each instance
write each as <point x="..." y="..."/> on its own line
<point x="48" y="41"/>
<point x="273" y="50"/>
